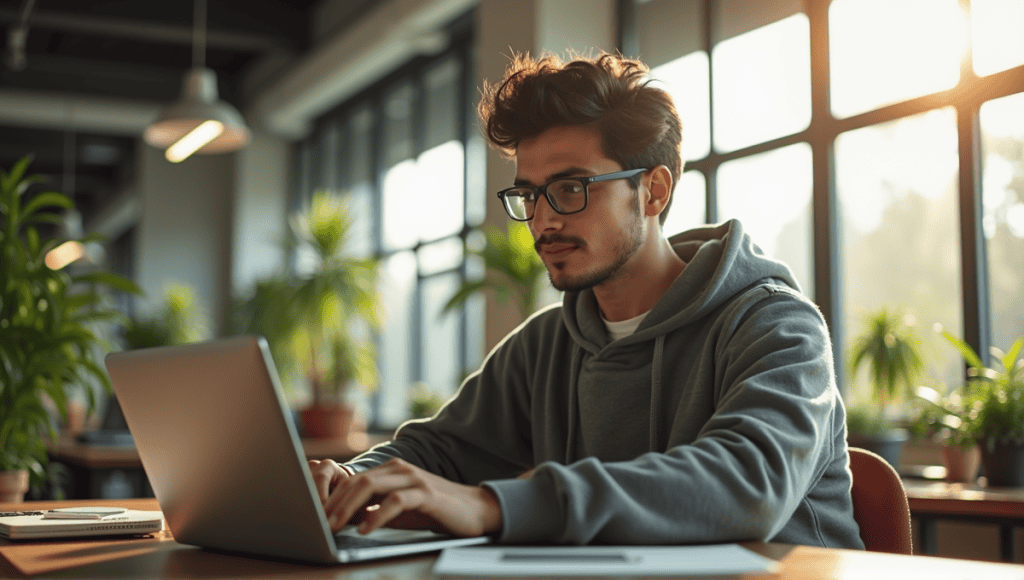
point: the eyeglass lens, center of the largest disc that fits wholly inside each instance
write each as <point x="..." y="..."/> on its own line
<point x="564" y="195"/>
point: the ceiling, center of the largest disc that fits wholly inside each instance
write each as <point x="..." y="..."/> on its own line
<point x="135" y="50"/>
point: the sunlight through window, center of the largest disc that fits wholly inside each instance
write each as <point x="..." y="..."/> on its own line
<point x="771" y="194"/>
<point x="762" y="84"/>
<point x="884" y="52"/>
<point x="898" y="221"/>
<point x="1002" y="177"/>
<point x="689" y="208"/>
<point x="686" y="79"/>
<point x="997" y="32"/>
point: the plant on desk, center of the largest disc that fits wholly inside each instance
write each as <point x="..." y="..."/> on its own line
<point x="891" y="349"/>
<point x="318" y="324"/>
<point x="944" y="418"/>
<point x="48" y="343"/>
<point x="994" y="410"/>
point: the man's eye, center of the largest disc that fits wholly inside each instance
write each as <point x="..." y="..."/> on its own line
<point x="565" y="187"/>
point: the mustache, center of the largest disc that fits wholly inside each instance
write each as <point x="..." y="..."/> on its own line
<point x="558" y="239"/>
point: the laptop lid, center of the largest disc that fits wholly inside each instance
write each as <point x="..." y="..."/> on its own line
<point x="222" y="454"/>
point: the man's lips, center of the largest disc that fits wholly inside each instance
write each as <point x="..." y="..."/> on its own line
<point x="557" y="246"/>
<point x="556" y="250"/>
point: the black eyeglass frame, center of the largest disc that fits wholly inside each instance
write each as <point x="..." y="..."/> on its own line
<point x="585" y="180"/>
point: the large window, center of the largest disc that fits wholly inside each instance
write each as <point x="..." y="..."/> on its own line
<point x="842" y="133"/>
<point x="397" y="153"/>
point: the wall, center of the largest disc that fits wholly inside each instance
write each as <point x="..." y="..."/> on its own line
<point x="184" y="230"/>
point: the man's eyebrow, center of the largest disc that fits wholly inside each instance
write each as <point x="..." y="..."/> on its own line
<point x="568" y="172"/>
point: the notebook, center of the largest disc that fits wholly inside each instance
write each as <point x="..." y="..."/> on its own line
<point x="217" y="442"/>
<point x="46" y="524"/>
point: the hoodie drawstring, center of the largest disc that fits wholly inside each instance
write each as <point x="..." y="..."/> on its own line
<point x="577" y="361"/>
<point x="655" y="419"/>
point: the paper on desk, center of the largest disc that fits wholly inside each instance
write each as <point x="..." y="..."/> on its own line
<point x="601" y="560"/>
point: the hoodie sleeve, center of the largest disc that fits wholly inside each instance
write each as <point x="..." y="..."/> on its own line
<point x="768" y="440"/>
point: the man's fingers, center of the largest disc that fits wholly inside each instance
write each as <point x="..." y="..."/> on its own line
<point x="395" y="504"/>
<point x="356" y="493"/>
<point x="326" y="475"/>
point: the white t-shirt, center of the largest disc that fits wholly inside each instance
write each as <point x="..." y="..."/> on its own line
<point x="623" y="328"/>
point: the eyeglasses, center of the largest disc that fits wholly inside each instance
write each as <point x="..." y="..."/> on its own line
<point x="565" y="196"/>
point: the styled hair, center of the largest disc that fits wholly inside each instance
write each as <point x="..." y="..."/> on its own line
<point x="637" y="123"/>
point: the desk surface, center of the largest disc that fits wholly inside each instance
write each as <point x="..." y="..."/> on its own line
<point x="162" y="557"/>
<point x="967" y="499"/>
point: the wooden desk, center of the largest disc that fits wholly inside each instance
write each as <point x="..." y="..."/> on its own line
<point x="931" y="501"/>
<point x="105" y="471"/>
<point x="162" y="557"/>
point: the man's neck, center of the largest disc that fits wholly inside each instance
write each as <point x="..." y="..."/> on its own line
<point x="639" y="287"/>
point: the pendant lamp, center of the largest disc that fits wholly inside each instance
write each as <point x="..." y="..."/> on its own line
<point x="199" y="122"/>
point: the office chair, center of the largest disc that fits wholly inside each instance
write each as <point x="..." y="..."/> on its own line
<point x="879" y="504"/>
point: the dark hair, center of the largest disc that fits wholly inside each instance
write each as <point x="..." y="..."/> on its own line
<point x="638" y="123"/>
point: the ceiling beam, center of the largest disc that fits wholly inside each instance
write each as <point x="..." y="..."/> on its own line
<point x="148" y="31"/>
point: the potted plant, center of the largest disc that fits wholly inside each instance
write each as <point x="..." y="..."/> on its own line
<point x="891" y="349"/>
<point x="423" y="401"/>
<point x="944" y="418"/>
<point x="994" y="404"/>
<point x="318" y="324"/>
<point x="179" y="321"/>
<point x="513" y="269"/>
<point x="49" y="345"/>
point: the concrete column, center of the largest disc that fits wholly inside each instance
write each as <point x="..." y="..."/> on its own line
<point x="184" y="232"/>
<point x="260" y="208"/>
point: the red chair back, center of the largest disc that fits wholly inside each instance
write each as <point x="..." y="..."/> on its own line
<point x="879" y="504"/>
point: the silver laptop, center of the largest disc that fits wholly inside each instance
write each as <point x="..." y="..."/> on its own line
<point x="224" y="459"/>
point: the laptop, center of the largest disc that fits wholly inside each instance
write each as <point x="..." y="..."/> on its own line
<point x="222" y="454"/>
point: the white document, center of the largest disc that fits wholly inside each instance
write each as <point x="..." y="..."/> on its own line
<point x="601" y="561"/>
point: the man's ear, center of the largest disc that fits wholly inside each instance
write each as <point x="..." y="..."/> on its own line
<point x="659" y="190"/>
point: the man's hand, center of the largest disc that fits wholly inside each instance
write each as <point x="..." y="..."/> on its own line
<point x="401" y="495"/>
<point x="326" y="475"/>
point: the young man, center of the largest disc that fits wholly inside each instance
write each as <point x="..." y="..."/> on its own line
<point x="682" y="392"/>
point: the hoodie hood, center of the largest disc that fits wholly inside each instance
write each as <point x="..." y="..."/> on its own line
<point x="721" y="261"/>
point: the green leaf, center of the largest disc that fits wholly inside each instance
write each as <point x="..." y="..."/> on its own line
<point x="45" y="199"/>
<point x="467" y="289"/>
<point x="107" y="279"/>
<point x="1011" y="357"/>
<point x="965" y="349"/>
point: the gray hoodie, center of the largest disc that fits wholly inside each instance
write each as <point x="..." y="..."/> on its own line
<point x="718" y="420"/>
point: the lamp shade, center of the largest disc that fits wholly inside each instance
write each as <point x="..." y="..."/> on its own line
<point x="199" y="103"/>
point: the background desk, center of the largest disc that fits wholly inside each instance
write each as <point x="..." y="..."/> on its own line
<point x="162" y="557"/>
<point x="111" y="472"/>
<point x="931" y="501"/>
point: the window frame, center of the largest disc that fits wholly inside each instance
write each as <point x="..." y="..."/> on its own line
<point x="966" y="98"/>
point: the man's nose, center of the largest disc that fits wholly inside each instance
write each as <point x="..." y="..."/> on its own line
<point x="544" y="217"/>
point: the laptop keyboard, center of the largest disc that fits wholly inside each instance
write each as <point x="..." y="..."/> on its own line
<point x="350" y="541"/>
<point x="348" y="537"/>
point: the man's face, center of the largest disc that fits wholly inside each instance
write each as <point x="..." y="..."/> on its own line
<point x="584" y="249"/>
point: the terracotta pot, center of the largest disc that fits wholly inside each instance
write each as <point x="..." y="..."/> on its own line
<point x="13" y="485"/>
<point x="961" y="464"/>
<point x="327" y="422"/>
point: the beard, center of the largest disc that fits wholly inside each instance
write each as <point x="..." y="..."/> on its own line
<point x="625" y="249"/>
